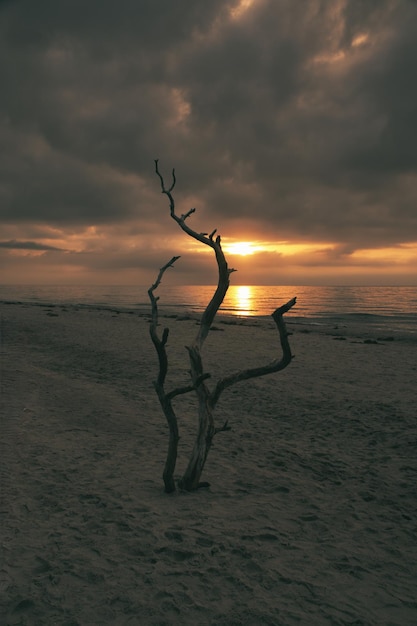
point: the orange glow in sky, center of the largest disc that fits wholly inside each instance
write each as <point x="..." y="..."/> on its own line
<point x="240" y="8"/>
<point x="242" y="248"/>
<point x="246" y="248"/>
<point x="404" y="254"/>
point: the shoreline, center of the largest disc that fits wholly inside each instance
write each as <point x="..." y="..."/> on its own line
<point x="309" y="517"/>
<point x="376" y="327"/>
<point x="239" y="300"/>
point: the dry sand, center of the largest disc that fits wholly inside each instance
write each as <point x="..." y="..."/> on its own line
<point x="311" y="514"/>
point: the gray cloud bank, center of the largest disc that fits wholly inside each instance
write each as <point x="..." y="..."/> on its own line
<point x="26" y="245"/>
<point x="285" y="121"/>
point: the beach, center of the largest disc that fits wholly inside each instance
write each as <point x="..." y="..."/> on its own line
<point x="310" y="517"/>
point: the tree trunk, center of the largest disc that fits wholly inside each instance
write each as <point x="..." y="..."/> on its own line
<point x="191" y="478"/>
<point x="171" y="459"/>
<point x="206" y="430"/>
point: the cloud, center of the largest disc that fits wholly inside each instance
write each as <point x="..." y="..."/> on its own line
<point x="26" y="245"/>
<point x="284" y="120"/>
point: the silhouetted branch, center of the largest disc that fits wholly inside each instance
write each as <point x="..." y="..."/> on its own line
<point x="164" y="399"/>
<point x="188" y="388"/>
<point x="224" y="272"/>
<point x="256" y="372"/>
<point x="159" y="343"/>
<point x="206" y="400"/>
<point x="223" y="428"/>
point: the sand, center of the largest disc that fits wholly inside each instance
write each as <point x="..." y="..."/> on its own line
<point x="311" y="513"/>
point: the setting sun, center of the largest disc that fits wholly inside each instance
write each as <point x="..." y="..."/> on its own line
<point x="242" y="248"/>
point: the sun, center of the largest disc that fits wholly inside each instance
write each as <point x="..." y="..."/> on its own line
<point x="242" y="248"/>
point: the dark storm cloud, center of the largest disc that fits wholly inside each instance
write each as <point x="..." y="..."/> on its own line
<point x="392" y="91"/>
<point x="26" y="245"/>
<point x="44" y="185"/>
<point x="293" y="120"/>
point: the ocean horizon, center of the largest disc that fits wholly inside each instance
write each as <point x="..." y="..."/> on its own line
<point x="395" y="306"/>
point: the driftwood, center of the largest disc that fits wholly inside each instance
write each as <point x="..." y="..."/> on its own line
<point x="207" y="399"/>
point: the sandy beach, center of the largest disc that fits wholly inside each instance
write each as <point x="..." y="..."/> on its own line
<point x="310" y="517"/>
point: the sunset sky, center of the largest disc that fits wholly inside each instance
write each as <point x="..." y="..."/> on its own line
<point x="291" y="124"/>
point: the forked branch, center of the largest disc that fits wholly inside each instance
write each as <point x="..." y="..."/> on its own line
<point x="163" y="397"/>
<point x="159" y="343"/>
<point x="208" y="240"/>
<point x="270" y="368"/>
<point x="207" y="400"/>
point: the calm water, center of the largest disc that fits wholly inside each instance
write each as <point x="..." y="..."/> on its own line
<point x="396" y="305"/>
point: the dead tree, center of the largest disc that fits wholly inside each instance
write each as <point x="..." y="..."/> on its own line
<point x="207" y="398"/>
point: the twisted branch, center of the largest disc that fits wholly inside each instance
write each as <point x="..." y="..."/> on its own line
<point x="206" y="400"/>
<point x="255" y="372"/>
<point x="223" y="269"/>
<point x="157" y="342"/>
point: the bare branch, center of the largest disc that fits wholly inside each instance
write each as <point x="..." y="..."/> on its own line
<point x="164" y="399"/>
<point x="161" y="273"/>
<point x="162" y="180"/>
<point x="188" y="388"/>
<point x="223" y="428"/>
<point x="190" y="212"/>
<point x="180" y="391"/>
<point x="174" y="180"/>
<point x="255" y="372"/>
<point x="207" y="400"/>
<point x="224" y="272"/>
<point x="159" y="343"/>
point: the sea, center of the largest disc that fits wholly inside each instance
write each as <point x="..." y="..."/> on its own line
<point x="388" y="308"/>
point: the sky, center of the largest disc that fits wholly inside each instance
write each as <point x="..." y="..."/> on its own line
<point x="291" y="125"/>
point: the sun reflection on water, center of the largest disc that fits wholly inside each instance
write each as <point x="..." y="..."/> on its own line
<point x="240" y="300"/>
